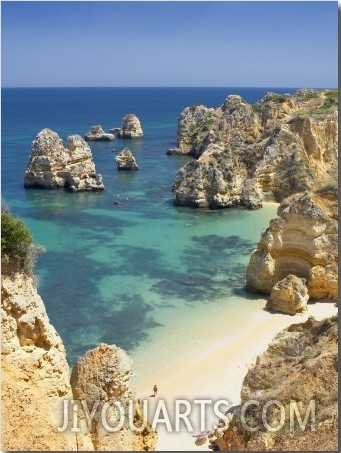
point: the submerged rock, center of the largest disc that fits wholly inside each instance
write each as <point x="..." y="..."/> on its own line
<point x="131" y="127"/>
<point x="96" y="133"/>
<point x="51" y="165"/>
<point x="302" y="241"/>
<point x="289" y="295"/>
<point x="245" y="154"/>
<point x="126" y="160"/>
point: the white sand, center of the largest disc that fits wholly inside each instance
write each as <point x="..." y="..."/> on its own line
<point x="216" y="372"/>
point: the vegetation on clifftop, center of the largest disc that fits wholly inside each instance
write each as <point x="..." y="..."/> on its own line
<point x="17" y="247"/>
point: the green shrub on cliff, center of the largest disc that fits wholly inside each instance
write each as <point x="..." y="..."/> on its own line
<point x="17" y="245"/>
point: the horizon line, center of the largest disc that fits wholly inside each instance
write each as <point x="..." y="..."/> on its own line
<point x="165" y="86"/>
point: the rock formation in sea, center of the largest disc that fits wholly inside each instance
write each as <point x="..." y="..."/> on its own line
<point x="101" y="376"/>
<point x="299" y="371"/>
<point x="245" y="153"/>
<point x="96" y="133"/>
<point x="302" y="241"/>
<point x="51" y="165"/>
<point x="131" y="127"/>
<point x="35" y="377"/>
<point x="126" y="160"/>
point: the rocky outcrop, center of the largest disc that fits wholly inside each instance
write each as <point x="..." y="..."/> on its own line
<point x="96" y="133"/>
<point x="289" y="295"/>
<point x="299" y="371"/>
<point x="40" y="410"/>
<point x="101" y="377"/>
<point x="34" y="371"/>
<point x="51" y="165"/>
<point x="245" y="153"/>
<point x="35" y="383"/>
<point x="126" y="160"/>
<point x="131" y="127"/>
<point x="302" y="241"/>
<point x="193" y="127"/>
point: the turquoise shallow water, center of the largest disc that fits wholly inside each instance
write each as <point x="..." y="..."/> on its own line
<point x="128" y="273"/>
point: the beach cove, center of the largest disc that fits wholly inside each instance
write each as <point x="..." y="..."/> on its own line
<point x="126" y="267"/>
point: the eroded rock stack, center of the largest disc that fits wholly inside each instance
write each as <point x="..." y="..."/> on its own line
<point x="96" y="133"/>
<point x="51" y="165"/>
<point x="101" y="377"/>
<point x="302" y="241"/>
<point x="126" y="160"/>
<point x="245" y="154"/>
<point x="131" y="127"/>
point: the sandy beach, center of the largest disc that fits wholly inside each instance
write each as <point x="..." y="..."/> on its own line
<point x="215" y="373"/>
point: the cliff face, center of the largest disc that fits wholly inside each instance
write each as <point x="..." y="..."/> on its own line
<point x="302" y="241"/>
<point x="35" y="383"/>
<point x="51" y="165"/>
<point x="299" y="365"/>
<point x="35" y="374"/>
<point x="245" y="154"/>
<point x="101" y="377"/>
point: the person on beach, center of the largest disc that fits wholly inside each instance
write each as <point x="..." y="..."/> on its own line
<point x="155" y="390"/>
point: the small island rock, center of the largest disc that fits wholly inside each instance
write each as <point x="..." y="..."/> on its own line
<point x="131" y="127"/>
<point x="96" y="133"/>
<point x="126" y="161"/>
<point x="51" y="165"/>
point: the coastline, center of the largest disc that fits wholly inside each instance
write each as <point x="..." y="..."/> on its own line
<point x="217" y="373"/>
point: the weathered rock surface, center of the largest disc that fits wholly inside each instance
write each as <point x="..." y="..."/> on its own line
<point x="96" y="133"/>
<point x="101" y="377"/>
<point x="302" y="241"/>
<point x="115" y="130"/>
<point x="126" y="160"/>
<point x="289" y="295"/>
<point x="34" y="372"/>
<point x="281" y="145"/>
<point x="35" y="382"/>
<point x="51" y="165"/>
<point x="300" y="366"/>
<point x="40" y="410"/>
<point x="131" y="127"/>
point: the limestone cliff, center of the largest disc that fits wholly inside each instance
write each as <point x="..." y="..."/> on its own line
<point x="249" y="153"/>
<point x="35" y="374"/>
<point x="51" y="165"/>
<point x="40" y="410"/>
<point x="302" y="241"/>
<point x="101" y="377"/>
<point x="299" y="367"/>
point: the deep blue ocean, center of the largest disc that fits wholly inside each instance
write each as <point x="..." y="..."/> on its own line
<point x="127" y="273"/>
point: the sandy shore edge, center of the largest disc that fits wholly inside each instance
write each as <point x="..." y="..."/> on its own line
<point x="218" y="373"/>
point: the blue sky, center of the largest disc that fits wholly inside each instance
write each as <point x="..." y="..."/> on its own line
<point x="289" y="44"/>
